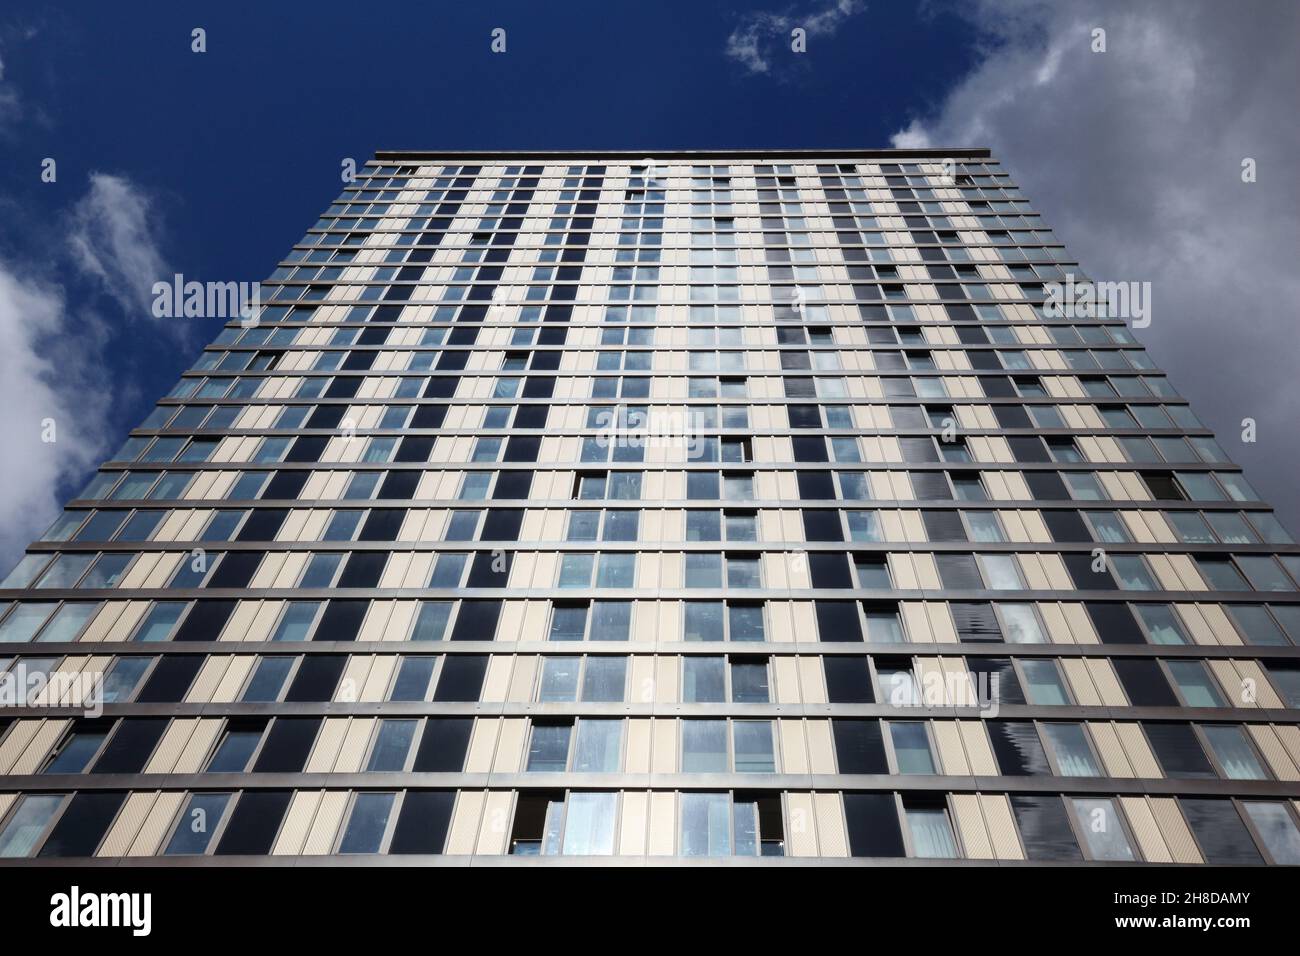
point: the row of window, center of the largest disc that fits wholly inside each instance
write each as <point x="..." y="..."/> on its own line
<point x="729" y="336"/>
<point x="371" y="418"/>
<point x="597" y="744"/>
<point x="737" y="678"/>
<point x="708" y="524"/>
<point x="883" y="621"/>
<point x="631" y="447"/>
<point x="697" y="360"/>
<point x="706" y="824"/>
<point x="886" y="324"/>
<point x="749" y="570"/>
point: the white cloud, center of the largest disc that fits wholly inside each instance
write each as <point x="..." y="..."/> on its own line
<point x="52" y="371"/>
<point x="1134" y="155"/>
<point x="46" y="376"/>
<point x="754" y="41"/>
<point x="10" y="109"/>
<point x="113" y="238"/>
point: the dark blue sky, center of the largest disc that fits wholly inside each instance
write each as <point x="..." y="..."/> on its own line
<point x="239" y="147"/>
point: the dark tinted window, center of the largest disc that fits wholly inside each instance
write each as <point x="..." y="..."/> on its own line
<point x="461" y="678"/>
<point x="205" y="621"/>
<point x="131" y="745"/>
<point x="316" y="679"/>
<point x="443" y="746"/>
<point x="859" y="747"/>
<point x="254" y="823"/>
<point x="838" y="621"/>
<point x="1179" y="752"/>
<point x="170" y="679"/>
<point x="1045" y="828"/>
<point x="872" y="820"/>
<point x="847" y="680"/>
<point x="423" y="821"/>
<point x="1219" y="831"/>
<point x="1017" y="747"/>
<point x="1114" y="623"/>
<point x="996" y="679"/>
<point x="1144" y="683"/>
<point x="476" y="621"/>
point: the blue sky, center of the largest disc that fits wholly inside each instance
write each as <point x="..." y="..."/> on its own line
<point x="213" y="164"/>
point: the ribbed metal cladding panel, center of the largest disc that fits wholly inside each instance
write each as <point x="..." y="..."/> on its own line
<point x="122" y="834"/>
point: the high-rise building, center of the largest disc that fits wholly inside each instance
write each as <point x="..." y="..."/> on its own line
<point x="675" y="506"/>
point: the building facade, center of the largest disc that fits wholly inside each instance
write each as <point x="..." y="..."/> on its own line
<point x="757" y="507"/>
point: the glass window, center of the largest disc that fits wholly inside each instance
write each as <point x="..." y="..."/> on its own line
<point x="897" y="686"/>
<point x="616" y="571"/>
<point x="984" y="526"/>
<point x="599" y="746"/>
<point x="66" y="570"/>
<point x="603" y="679"/>
<point x="704" y="571"/>
<point x="704" y="621"/>
<point x="366" y="825"/>
<point x="1103" y="833"/>
<point x="1073" y="755"/>
<point x="1256" y="625"/>
<point x="745" y="622"/>
<point x="704" y="746"/>
<point x="1235" y="754"/>
<point x="197" y="824"/>
<point x="743" y="572"/>
<point x="161" y="619"/>
<point x="548" y="747"/>
<point x="68" y="621"/>
<point x="753" y="746"/>
<point x="1131" y="572"/>
<point x="706" y="824"/>
<point x="1083" y="486"/>
<point x="392" y="743"/>
<point x="1230" y="527"/>
<point x="431" y="622"/>
<point x="749" y="681"/>
<point x="1190" y="527"/>
<point x="583" y="525"/>
<point x="1161" y="623"/>
<point x="121" y="680"/>
<point x="1262" y="571"/>
<point x="911" y="747"/>
<point x="589" y="824"/>
<point x="559" y="678"/>
<point x="24" y="621"/>
<point x="1020" y="624"/>
<point x="703" y="680"/>
<point x="864" y="526"/>
<point x="1000" y="572"/>
<point x="1269" y="528"/>
<point x="575" y="570"/>
<point x="296" y="621"/>
<point x="873" y="572"/>
<point x="1274" y="824"/>
<point x="1195" y="684"/>
<point x="235" y="750"/>
<point x="27" y="822"/>
<point x="268" y="680"/>
<point x="568" y="622"/>
<point x="1043" y="682"/>
<point x="1107" y="527"/>
<point x="931" y="831"/>
<point x="610" y="620"/>
<point x="76" y="752"/>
